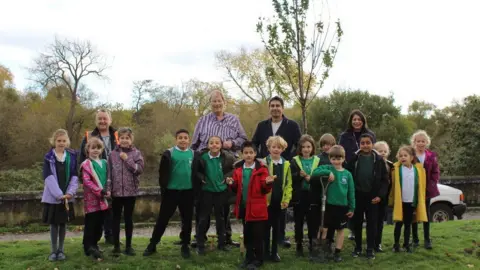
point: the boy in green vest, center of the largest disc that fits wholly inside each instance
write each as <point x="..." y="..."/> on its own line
<point x="340" y="204"/>
<point x="304" y="198"/>
<point x="279" y="198"/>
<point x="178" y="189"/>
<point x="214" y="167"/>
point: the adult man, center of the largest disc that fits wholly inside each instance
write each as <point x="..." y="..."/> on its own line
<point x="289" y="130"/>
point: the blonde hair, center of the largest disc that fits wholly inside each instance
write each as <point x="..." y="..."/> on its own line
<point x="420" y="133"/>
<point x="277" y="140"/>
<point x="125" y="130"/>
<point x="58" y="133"/>
<point x="382" y="143"/>
<point x="103" y="111"/>
<point x="217" y="92"/>
<point x="327" y="139"/>
<point x="410" y="151"/>
<point x="93" y="141"/>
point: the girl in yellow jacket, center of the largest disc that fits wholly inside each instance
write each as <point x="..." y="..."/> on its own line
<point x="408" y="195"/>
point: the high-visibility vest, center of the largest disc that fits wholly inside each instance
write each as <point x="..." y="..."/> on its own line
<point x="87" y="133"/>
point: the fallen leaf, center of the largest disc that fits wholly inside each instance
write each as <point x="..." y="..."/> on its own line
<point x="178" y="266"/>
<point x="470" y="265"/>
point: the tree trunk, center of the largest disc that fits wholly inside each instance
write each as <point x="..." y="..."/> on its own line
<point x="304" y="119"/>
<point x="71" y="114"/>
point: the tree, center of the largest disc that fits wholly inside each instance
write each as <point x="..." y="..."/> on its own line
<point x="142" y="92"/>
<point x="252" y="72"/>
<point x="68" y="63"/>
<point x="304" y="63"/>
<point x="6" y="78"/>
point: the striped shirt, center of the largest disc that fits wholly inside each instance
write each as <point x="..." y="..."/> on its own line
<point x="228" y="129"/>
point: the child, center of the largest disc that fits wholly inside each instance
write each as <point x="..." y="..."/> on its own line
<point x="95" y="206"/>
<point x="279" y="198"/>
<point x="371" y="184"/>
<point x="61" y="183"/>
<point x="303" y="197"/>
<point x="408" y="195"/>
<point x="421" y="141"/>
<point x="251" y="182"/>
<point x="125" y="165"/>
<point x="340" y="203"/>
<point x="384" y="150"/>
<point x="326" y="142"/>
<point x="214" y="166"/>
<point x="178" y="190"/>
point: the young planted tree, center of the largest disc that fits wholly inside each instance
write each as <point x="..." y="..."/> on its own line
<point x="67" y="63"/>
<point x="303" y="61"/>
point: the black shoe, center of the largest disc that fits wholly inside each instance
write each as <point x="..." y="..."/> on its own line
<point x="223" y="248"/>
<point x="379" y="249"/>
<point x="252" y="267"/>
<point x="286" y="243"/>
<point x="396" y="248"/>
<point x="201" y="251"/>
<point x="116" y="251"/>
<point x="178" y="243"/>
<point x="232" y="243"/>
<point x="193" y="244"/>
<point x="416" y="244"/>
<point x="185" y="250"/>
<point x="129" y="251"/>
<point x="95" y="253"/>
<point x="337" y="258"/>
<point x="351" y="236"/>
<point x="370" y="255"/>
<point x="275" y="258"/>
<point x="428" y="244"/>
<point x="300" y="250"/>
<point x="109" y="240"/>
<point x="244" y="264"/>
<point x="150" y="250"/>
<point x="356" y="253"/>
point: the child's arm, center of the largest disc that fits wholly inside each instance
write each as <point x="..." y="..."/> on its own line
<point x="324" y="170"/>
<point x="109" y="175"/>
<point x="296" y="178"/>
<point x="391" y="197"/>
<point x="50" y="182"/>
<point x="73" y="185"/>
<point x="88" y="183"/>
<point x="265" y="187"/>
<point x="288" y="190"/>
<point x="234" y="185"/>
<point x="351" y="193"/>
<point x="435" y="169"/>
<point x="382" y="193"/>
<point x="136" y="163"/>
<point x="164" y="169"/>
<point x="229" y="161"/>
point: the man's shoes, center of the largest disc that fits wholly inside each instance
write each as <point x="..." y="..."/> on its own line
<point x="150" y="250"/>
<point x="185" y="251"/>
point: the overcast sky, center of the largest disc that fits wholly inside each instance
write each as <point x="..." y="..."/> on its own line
<point x="419" y="50"/>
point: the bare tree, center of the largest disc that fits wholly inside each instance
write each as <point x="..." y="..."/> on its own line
<point x="68" y="63"/>
<point x="142" y="92"/>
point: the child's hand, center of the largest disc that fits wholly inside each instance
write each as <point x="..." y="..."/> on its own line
<point x="229" y="181"/>
<point x="331" y="177"/>
<point x="308" y="178"/>
<point x="123" y="155"/>
<point x="109" y="194"/>
<point x="284" y="205"/>
<point x="68" y="196"/>
<point x="350" y="214"/>
<point x="270" y="179"/>
<point x="303" y="174"/>
<point x="376" y="200"/>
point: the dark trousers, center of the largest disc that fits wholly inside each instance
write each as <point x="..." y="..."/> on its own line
<point x="125" y="204"/>
<point x="426" y="226"/>
<point x="228" y="224"/>
<point x="407" y="221"/>
<point x="363" y="205"/>
<point x="253" y="235"/>
<point x="283" y="226"/>
<point x="382" y="213"/>
<point x="107" y="223"/>
<point x="275" y="213"/>
<point x="92" y="232"/>
<point x="304" y="210"/>
<point x="217" y="201"/>
<point x="183" y="199"/>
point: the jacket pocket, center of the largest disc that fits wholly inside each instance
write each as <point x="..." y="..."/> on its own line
<point x="258" y="208"/>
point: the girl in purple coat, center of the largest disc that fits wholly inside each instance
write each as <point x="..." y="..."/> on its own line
<point x="421" y="142"/>
<point x="124" y="167"/>
<point x="61" y="183"/>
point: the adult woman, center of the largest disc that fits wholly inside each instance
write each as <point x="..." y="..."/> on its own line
<point x="350" y="140"/>
<point x="109" y="137"/>
<point x="228" y="127"/>
<point x="421" y="141"/>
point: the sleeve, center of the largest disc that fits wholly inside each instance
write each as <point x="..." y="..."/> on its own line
<point x="88" y="183"/>
<point x="109" y="174"/>
<point x="164" y="170"/>
<point x="435" y="169"/>
<point x="241" y="136"/>
<point x="391" y="197"/>
<point x="295" y="170"/>
<point x="323" y="170"/>
<point x="229" y="161"/>
<point x="256" y="139"/>
<point x="236" y="179"/>
<point x="73" y="185"/>
<point x="82" y="156"/>
<point x="382" y="193"/>
<point x="351" y="193"/>
<point x="136" y="163"/>
<point x="266" y="188"/>
<point x="296" y="137"/>
<point x="196" y="135"/>
<point x="51" y="182"/>
<point x="288" y="188"/>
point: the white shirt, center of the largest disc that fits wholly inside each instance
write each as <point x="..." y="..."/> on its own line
<point x="99" y="162"/>
<point x="277" y="162"/>
<point x="212" y="157"/>
<point x="408" y="184"/>
<point x="421" y="158"/>
<point x="249" y="167"/>
<point x="187" y="149"/>
<point x="275" y="127"/>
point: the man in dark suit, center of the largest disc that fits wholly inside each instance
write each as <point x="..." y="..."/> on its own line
<point x="289" y="130"/>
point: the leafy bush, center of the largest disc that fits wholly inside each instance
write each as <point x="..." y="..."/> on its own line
<point x="22" y="180"/>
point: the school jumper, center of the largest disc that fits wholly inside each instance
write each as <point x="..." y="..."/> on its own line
<point x="95" y="205"/>
<point x="407" y="196"/>
<point x="211" y="174"/>
<point x="123" y="182"/>
<point x="281" y="193"/>
<point x="251" y="207"/>
<point x="370" y="176"/>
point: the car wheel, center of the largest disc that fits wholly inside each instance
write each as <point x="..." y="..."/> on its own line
<point x="441" y="212"/>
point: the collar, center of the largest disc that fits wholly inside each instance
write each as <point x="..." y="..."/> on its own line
<point x="60" y="159"/>
<point x="212" y="157"/>
<point x="277" y="162"/>
<point x="178" y="148"/>
<point x="249" y="167"/>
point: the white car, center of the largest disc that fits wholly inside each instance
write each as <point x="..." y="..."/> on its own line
<point x="448" y="204"/>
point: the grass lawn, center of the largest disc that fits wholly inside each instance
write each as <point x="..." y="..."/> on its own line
<point x="449" y="239"/>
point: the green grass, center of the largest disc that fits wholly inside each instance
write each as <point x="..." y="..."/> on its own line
<point x="450" y="240"/>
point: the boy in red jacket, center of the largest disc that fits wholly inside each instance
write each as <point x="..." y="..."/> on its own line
<point x="251" y="183"/>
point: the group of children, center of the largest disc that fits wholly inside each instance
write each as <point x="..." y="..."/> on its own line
<point x="263" y="189"/>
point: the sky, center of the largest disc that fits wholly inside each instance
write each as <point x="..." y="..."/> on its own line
<point x="418" y="50"/>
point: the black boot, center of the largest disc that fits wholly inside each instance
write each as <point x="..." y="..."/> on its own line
<point x="185" y="251"/>
<point x="151" y="248"/>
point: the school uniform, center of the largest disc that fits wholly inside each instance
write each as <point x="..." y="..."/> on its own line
<point x="251" y="207"/>
<point x="281" y="193"/>
<point x="383" y="209"/>
<point x="212" y="172"/>
<point x="370" y="176"/>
